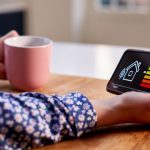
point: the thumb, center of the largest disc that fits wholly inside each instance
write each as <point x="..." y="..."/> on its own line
<point x="2" y="39"/>
<point x="2" y="67"/>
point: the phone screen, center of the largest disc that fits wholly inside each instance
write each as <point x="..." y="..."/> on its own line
<point x="132" y="73"/>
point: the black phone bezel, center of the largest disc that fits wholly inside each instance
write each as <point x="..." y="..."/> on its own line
<point x="108" y="88"/>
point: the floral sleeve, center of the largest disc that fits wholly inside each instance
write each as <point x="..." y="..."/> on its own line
<point x="30" y="120"/>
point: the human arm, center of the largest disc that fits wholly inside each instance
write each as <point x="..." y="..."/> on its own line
<point x="37" y="119"/>
<point x="24" y="115"/>
<point x="130" y="107"/>
<point x="32" y="120"/>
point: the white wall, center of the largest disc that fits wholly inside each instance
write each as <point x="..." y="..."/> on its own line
<point x="114" y="28"/>
<point x="51" y="18"/>
<point x="77" y="20"/>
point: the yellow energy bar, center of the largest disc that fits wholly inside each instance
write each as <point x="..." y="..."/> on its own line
<point x="148" y="72"/>
<point x="146" y="77"/>
<point x="148" y="68"/>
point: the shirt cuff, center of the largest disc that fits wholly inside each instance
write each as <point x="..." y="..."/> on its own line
<point x="82" y="112"/>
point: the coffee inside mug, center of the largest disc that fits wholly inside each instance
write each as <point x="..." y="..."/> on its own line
<point x="28" y="41"/>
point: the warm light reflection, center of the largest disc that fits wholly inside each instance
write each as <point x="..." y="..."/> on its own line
<point x="106" y="60"/>
<point x="96" y="61"/>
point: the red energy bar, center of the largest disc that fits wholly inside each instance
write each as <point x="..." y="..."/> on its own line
<point x="145" y="85"/>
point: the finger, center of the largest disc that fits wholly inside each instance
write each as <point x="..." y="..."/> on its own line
<point x="8" y="35"/>
<point x="2" y="71"/>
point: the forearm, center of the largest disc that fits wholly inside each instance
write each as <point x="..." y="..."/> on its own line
<point x="53" y="118"/>
<point x="130" y="107"/>
<point x="39" y="116"/>
<point x="112" y="111"/>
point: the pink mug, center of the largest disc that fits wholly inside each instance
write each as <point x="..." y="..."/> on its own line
<point x="27" y="61"/>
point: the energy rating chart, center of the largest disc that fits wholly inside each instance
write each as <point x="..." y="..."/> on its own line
<point x="146" y="81"/>
<point x="132" y="73"/>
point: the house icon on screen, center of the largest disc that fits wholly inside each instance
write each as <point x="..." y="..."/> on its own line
<point x="130" y="72"/>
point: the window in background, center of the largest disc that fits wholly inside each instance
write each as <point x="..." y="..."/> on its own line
<point x="123" y="5"/>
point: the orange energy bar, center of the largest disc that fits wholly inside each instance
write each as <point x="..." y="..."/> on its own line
<point x="146" y="81"/>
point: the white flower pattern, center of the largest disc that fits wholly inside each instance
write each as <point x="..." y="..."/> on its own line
<point x="81" y="117"/>
<point x="7" y="106"/>
<point x="35" y="116"/>
<point x="30" y="129"/>
<point x="69" y="101"/>
<point x="18" y="118"/>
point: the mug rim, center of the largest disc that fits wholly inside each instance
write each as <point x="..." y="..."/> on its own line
<point x="11" y="41"/>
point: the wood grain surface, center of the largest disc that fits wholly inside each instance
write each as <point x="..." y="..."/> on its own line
<point x="123" y="137"/>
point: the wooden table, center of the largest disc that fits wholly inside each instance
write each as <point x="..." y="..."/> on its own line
<point x="114" y="138"/>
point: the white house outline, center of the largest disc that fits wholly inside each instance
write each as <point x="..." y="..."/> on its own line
<point x="137" y="65"/>
<point x="130" y="73"/>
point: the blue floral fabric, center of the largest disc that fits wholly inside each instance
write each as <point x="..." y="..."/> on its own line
<point x="30" y="120"/>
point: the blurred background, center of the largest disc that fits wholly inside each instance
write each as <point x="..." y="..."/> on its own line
<point x="117" y="22"/>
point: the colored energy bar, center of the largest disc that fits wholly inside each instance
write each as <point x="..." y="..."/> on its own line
<point x="148" y="72"/>
<point x="148" y="68"/>
<point x="145" y="85"/>
<point x="146" y="77"/>
<point x="146" y="81"/>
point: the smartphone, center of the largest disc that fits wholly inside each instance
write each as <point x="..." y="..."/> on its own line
<point x="132" y="73"/>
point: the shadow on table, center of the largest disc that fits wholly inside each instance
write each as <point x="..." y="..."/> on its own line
<point x="6" y="87"/>
<point x="106" y="138"/>
<point x="124" y="127"/>
<point x="119" y="129"/>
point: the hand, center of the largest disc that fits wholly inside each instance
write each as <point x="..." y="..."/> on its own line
<point x="136" y="107"/>
<point x="130" y="107"/>
<point x="2" y="66"/>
